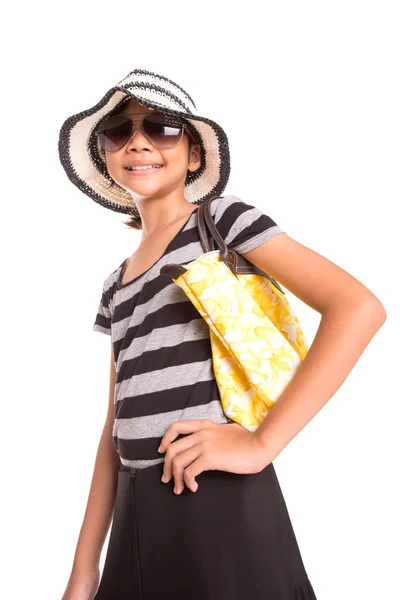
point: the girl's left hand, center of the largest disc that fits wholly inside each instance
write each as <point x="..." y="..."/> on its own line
<point x="212" y="446"/>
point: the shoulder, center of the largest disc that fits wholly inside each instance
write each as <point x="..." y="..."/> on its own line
<point x="242" y="225"/>
<point x="230" y="210"/>
<point x="219" y="205"/>
<point x="112" y="278"/>
<point x="110" y="284"/>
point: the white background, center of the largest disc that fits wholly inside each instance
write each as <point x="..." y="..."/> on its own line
<point x="308" y="94"/>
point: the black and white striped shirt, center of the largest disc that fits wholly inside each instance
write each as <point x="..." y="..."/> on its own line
<point x="162" y="347"/>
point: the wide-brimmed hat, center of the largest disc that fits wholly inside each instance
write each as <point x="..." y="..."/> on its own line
<point x="81" y="156"/>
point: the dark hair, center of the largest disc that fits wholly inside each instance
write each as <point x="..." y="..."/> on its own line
<point x="135" y="221"/>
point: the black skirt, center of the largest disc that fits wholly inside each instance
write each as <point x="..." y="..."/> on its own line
<point x="232" y="539"/>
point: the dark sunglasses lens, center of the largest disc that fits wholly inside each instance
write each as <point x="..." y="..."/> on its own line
<point x="164" y="130"/>
<point x="114" y="132"/>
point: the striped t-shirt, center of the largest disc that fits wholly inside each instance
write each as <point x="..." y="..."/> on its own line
<point x="162" y="348"/>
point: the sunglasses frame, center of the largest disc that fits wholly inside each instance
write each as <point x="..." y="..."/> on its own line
<point x="134" y="131"/>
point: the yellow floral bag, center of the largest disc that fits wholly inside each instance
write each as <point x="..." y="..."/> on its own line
<point x="256" y="339"/>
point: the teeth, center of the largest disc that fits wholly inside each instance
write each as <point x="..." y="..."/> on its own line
<point x="137" y="168"/>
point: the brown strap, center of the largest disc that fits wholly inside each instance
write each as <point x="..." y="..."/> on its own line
<point x="236" y="263"/>
<point x="204" y="222"/>
<point x="202" y="228"/>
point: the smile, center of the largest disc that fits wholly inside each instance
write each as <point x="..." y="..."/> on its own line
<point x="143" y="168"/>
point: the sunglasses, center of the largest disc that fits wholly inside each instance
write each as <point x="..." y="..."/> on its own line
<point x="162" y="129"/>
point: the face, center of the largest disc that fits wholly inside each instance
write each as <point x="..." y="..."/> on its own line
<point x="175" y="161"/>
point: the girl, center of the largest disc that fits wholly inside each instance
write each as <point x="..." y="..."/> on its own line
<point x="197" y="509"/>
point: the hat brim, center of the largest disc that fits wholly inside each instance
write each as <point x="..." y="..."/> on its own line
<point x="80" y="152"/>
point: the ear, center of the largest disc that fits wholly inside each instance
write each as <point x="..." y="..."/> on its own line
<point x="194" y="158"/>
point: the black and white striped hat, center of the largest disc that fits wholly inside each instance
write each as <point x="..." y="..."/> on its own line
<point x="80" y="152"/>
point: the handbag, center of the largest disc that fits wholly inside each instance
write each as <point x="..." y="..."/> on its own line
<point x="256" y="339"/>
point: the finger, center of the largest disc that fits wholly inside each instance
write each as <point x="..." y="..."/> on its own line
<point x="180" y="463"/>
<point x="178" y="427"/>
<point x="194" y="469"/>
<point x="173" y="452"/>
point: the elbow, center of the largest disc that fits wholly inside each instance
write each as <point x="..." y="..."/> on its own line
<point x="382" y="312"/>
<point x="372" y="309"/>
<point x="382" y="315"/>
<point x="364" y="306"/>
<point x="377" y="309"/>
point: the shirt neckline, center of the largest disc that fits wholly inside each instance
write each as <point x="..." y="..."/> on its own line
<point x="121" y="285"/>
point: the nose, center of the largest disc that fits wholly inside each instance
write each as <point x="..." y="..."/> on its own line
<point x="137" y="141"/>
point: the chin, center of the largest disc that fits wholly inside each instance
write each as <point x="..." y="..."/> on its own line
<point x="144" y="191"/>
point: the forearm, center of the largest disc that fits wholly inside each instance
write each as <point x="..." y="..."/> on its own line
<point x="100" y="505"/>
<point x="342" y="336"/>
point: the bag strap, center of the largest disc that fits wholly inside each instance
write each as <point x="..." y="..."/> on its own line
<point x="202" y="225"/>
<point x="204" y="222"/>
<point x="236" y="263"/>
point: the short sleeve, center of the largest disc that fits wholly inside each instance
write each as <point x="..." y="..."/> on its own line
<point x="104" y="311"/>
<point x="242" y="226"/>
